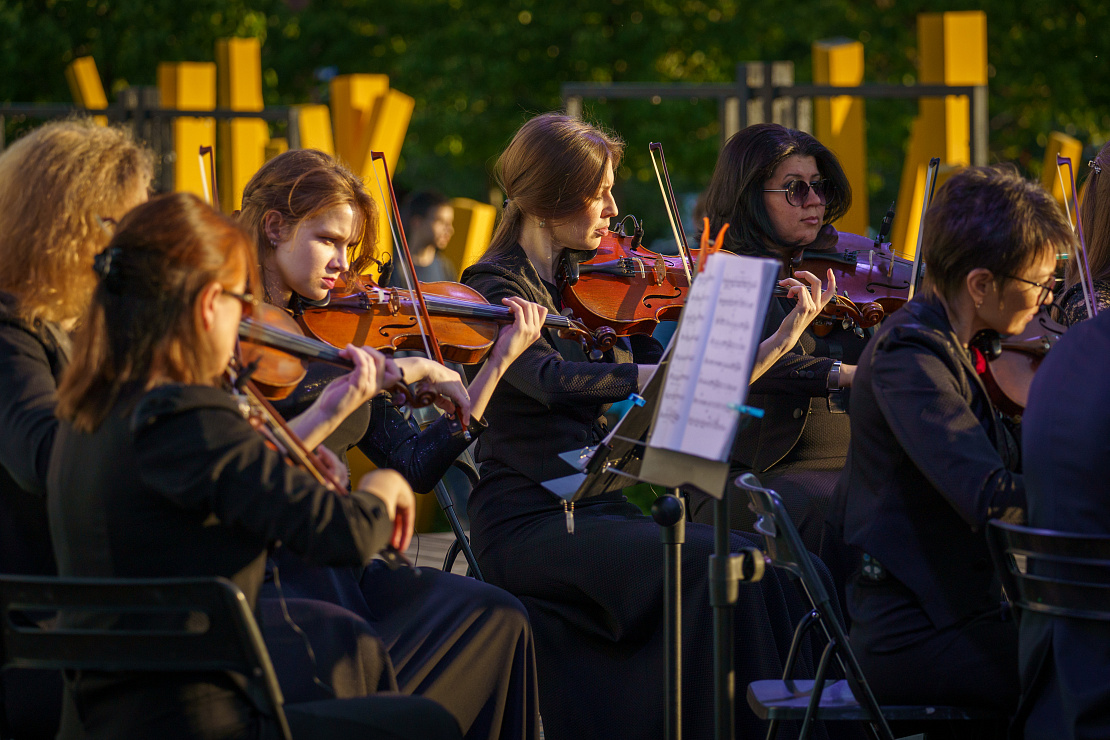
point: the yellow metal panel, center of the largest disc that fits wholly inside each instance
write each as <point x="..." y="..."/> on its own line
<point x="189" y="86"/>
<point x="840" y="121"/>
<point x="353" y="99"/>
<point x="1065" y="146"/>
<point x="242" y="140"/>
<point x="388" y="127"/>
<point x="277" y="145"/>
<point x="474" y="222"/>
<point x="951" y="49"/>
<point x="86" y="87"/>
<point x="314" y="122"/>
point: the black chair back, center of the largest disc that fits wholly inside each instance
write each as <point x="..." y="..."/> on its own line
<point x="172" y="624"/>
<point x="1050" y="572"/>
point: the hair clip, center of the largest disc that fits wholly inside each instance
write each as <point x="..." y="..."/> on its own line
<point x="102" y="263"/>
<point x="505" y="204"/>
<point x="1094" y="165"/>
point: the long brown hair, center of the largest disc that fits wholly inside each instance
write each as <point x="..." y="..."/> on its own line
<point x="301" y="184"/>
<point x="1094" y="213"/>
<point x="735" y="192"/>
<point x="55" y="183"/>
<point x="142" y="319"/>
<point x="551" y="169"/>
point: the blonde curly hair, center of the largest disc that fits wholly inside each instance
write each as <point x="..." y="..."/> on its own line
<point x="55" y="184"/>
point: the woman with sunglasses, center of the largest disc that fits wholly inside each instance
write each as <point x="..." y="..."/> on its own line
<point x="358" y="630"/>
<point x="59" y="185"/>
<point x="779" y="189"/>
<point x="591" y="574"/>
<point x="930" y="462"/>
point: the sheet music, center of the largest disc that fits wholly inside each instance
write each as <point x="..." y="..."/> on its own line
<point x="711" y="366"/>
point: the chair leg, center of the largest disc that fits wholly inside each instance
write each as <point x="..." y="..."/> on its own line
<point x="804" y="626"/>
<point x="818" y="689"/>
<point x="461" y="542"/>
<point x="858" y="681"/>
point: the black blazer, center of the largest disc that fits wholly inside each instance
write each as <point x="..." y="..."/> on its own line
<point x="186" y="487"/>
<point x="32" y="359"/>
<point x="551" y="399"/>
<point x="929" y="464"/>
<point x="1065" y="663"/>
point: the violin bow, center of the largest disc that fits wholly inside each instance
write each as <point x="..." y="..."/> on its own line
<point x="930" y="183"/>
<point x="408" y="269"/>
<point x="670" y="203"/>
<point x="1081" y="256"/>
<point x="211" y="198"/>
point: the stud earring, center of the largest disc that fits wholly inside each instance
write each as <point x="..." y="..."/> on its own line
<point x="543" y="222"/>
<point x="978" y="305"/>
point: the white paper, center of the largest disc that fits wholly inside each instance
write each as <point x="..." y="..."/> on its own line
<point x="711" y="366"/>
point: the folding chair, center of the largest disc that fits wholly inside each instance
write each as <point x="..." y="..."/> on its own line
<point x="1051" y="572"/>
<point x="219" y="633"/>
<point x="820" y="699"/>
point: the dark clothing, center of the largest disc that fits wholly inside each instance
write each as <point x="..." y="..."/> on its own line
<point x="456" y="640"/>
<point x="1065" y="663"/>
<point x="32" y="359"/>
<point x="928" y="466"/>
<point x="184" y="486"/>
<point x="595" y="596"/>
<point x="1075" y="307"/>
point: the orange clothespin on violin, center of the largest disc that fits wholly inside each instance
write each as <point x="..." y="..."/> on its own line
<point x="706" y="248"/>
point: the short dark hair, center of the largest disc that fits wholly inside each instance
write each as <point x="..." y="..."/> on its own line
<point x="735" y="192"/>
<point x="421" y="203"/>
<point x="991" y="218"/>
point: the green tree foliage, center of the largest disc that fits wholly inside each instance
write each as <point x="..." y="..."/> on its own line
<point x="478" y="69"/>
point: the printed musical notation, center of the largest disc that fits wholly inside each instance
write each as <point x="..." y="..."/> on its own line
<point x="711" y="364"/>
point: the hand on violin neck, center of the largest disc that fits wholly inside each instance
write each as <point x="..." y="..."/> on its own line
<point x="516" y="337"/>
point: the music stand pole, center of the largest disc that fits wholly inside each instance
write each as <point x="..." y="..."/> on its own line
<point x="669" y="513"/>
<point x="724" y="590"/>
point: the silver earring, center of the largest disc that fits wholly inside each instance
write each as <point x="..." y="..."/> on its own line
<point x="978" y="305"/>
<point x="543" y="222"/>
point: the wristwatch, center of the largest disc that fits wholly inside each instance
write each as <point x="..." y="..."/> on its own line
<point x="833" y="383"/>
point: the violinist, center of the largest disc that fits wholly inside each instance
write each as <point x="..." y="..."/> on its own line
<point x="593" y="595"/>
<point x="156" y="473"/>
<point x="55" y="184"/>
<point x="1095" y="215"/>
<point x="779" y="189"/>
<point x="929" y="461"/>
<point x="312" y="221"/>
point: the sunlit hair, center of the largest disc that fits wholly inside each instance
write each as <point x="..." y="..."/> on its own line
<point x="144" y="319"/>
<point x="551" y="169"/>
<point x="299" y="185"/>
<point x="1094" y="213"/>
<point x="991" y="218"/>
<point x="735" y="193"/>
<point x="55" y="183"/>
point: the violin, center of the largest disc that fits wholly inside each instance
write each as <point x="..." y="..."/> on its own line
<point x="273" y="353"/>
<point x="465" y="324"/>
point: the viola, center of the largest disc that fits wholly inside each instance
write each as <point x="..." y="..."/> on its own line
<point x="273" y="352"/>
<point x="1009" y="366"/>
<point x="464" y="322"/>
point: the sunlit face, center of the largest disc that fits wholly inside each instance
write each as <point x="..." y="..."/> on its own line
<point x="1009" y="311"/>
<point x="584" y="230"/>
<point x="794" y="225"/>
<point x="310" y="259"/>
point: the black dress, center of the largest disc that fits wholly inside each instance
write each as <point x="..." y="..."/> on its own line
<point x="799" y="446"/>
<point x="464" y="643"/>
<point x="184" y="486"/>
<point x="595" y="596"/>
<point x="32" y="359"/>
<point x="1065" y="663"/>
<point x="1074" y="306"/>
<point x="929" y="464"/>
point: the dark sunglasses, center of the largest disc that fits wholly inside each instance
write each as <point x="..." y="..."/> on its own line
<point x="798" y="190"/>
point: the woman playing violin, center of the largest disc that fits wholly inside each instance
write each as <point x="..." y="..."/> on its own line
<point x="1095" y="216"/>
<point x="313" y="221"/>
<point x="56" y="183"/>
<point x="594" y="595"/>
<point x="778" y="189"/>
<point x="155" y="472"/>
<point x="929" y="461"/>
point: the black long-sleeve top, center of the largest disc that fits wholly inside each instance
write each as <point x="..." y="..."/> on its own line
<point x="32" y="359"/>
<point x="551" y="399"/>
<point x="184" y="486"/>
<point x="929" y="464"/>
